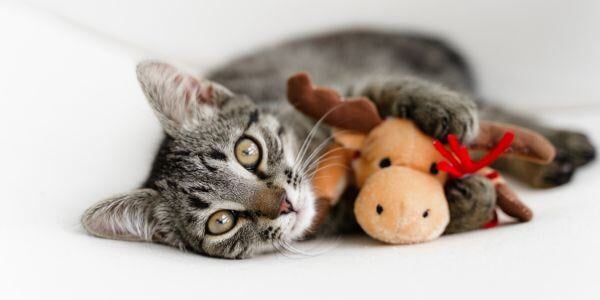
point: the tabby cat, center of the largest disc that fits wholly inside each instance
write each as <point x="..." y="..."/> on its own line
<point x="232" y="176"/>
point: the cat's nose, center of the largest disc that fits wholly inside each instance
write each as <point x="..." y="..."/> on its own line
<point x="285" y="206"/>
<point x="271" y="203"/>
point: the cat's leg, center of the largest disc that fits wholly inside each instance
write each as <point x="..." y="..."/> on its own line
<point x="436" y="110"/>
<point x="574" y="149"/>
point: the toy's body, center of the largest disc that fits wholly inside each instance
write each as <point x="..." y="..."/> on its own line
<point x="402" y="198"/>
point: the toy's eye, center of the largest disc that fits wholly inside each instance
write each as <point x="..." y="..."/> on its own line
<point x="221" y="222"/>
<point x="248" y="153"/>
<point x="385" y="162"/>
<point x="433" y="169"/>
<point x="379" y="209"/>
<point x="426" y="213"/>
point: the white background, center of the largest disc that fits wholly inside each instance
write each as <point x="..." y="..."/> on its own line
<point x="75" y="129"/>
<point x="529" y="52"/>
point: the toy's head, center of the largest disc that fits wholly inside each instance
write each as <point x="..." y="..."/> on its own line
<point x="402" y="198"/>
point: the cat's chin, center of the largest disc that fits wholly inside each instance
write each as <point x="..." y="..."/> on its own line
<point x="302" y="216"/>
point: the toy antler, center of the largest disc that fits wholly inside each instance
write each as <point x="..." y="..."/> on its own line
<point x="526" y="145"/>
<point x="358" y="114"/>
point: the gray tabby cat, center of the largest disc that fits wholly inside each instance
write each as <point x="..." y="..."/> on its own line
<point x="232" y="177"/>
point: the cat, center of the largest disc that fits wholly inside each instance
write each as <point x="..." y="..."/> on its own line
<point x="232" y="176"/>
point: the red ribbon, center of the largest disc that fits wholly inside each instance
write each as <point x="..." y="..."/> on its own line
<point x="458" y="162"/>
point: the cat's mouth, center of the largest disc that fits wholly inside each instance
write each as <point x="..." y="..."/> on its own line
<point x="299" y="212"/>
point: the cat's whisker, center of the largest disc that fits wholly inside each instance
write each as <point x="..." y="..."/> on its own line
<point x="306" y="142"/>
<point x="319" y="148"/>
<point x="317" y="163"/>
<point x="311" y="134"/>
<point x="285" y="251"/>
<point x="310" y="175"/>
<point x="312" y="252"/>
<point x="316" y="151"/>
<point x="320" y="159"/>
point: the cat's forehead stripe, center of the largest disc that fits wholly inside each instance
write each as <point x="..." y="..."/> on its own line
<point x="254" y="116"/>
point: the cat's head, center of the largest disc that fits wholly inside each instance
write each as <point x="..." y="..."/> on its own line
<point x="226" y="181"/>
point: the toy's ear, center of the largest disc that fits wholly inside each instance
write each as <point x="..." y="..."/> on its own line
<point x="349" y="139"/>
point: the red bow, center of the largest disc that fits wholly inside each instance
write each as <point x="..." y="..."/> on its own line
<point x="458" y="163"/>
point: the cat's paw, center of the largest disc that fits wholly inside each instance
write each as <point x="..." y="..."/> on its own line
<point x="558" y="172"/>
<point x="576" y="146"/>
<point x="435" y="109"/>
<point x="472" y="201"/>
<point x="573" y="150"/>
<point x="449" y="115"/>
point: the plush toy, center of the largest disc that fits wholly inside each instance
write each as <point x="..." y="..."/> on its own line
<point x="400" y="171"/>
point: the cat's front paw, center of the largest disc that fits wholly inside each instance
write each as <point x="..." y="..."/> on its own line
<point x="447" y="117"/>
<point x="435" y="109"/>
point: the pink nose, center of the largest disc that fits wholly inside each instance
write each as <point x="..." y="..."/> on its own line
<point x="285" y="207"/>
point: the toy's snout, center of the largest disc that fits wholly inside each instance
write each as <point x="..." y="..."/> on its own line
<point x="400" y="205"/>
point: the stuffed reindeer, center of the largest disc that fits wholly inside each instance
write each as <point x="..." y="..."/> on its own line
<point x="401" y="172"/>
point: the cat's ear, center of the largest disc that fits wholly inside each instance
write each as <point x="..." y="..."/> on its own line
<point x="181" y="101"/>
<point x="123" y="217"/>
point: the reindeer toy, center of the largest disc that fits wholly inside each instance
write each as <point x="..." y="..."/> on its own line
<point x="401" y="172"/>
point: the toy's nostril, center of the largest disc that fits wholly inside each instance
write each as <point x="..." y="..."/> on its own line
<point x="379" y="209"/>
<point x="426" y="213"/>
<point x="385" y="162"/>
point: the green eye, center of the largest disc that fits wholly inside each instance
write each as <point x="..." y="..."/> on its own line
<point x="221" y="222"/>
<point x="248" y="153"/>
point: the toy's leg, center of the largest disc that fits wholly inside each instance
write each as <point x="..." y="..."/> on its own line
<point x="331" y="180"/>
<point x="472" y="203"/>
<point x="574" y="150"/>
<point x="510" y="203"/>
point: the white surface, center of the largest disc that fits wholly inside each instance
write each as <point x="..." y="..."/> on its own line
<point x="75" y="128"/>
<point x="531" y="53"/>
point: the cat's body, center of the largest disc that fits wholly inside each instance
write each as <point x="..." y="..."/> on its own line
<point x="201" y="183"/>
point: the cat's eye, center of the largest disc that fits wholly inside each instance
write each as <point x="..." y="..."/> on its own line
<point x="248" y="153"/>
<point x="221" y="222"/>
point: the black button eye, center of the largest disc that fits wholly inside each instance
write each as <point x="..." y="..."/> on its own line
<point x="426" y="213"/>
<point x="385" y="162"/>
<point x="433" y="169"/>
<point x="379" y="209"/>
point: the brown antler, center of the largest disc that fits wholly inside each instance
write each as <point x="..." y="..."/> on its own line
<point x="358" y="114"/>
